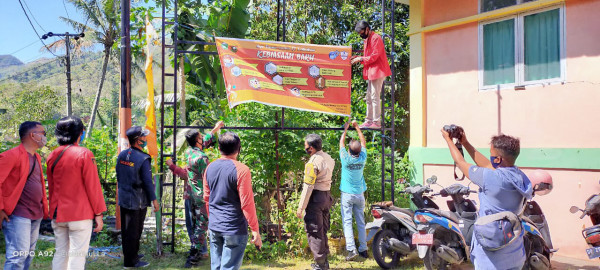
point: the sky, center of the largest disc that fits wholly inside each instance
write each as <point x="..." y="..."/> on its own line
<point x="18" y="38"/>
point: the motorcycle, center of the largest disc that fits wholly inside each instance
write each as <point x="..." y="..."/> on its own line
<point x="444" y="237"/>
<point x="393" y="227"/>
<point x="591" y="234"/>
<point x="536" y="238"/>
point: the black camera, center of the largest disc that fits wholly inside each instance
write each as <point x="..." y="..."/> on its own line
<point x="454" y="131"/>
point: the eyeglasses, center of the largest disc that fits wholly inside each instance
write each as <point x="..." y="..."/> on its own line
<point x="40" y="132"/>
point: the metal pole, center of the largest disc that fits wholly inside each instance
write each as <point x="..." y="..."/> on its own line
<point x="68" y="47"/>
<point x="125" y="97"/>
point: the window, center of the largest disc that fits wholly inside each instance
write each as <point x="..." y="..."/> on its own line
<point x="489" y="5"/>
<point x="523" y="49"/>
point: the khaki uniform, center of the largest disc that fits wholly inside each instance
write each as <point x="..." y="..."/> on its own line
<point x="317" y="201"/>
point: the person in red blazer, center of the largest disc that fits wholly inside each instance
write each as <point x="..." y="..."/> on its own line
<point x="376" y="69"/>
<point x="76" y="197"/>
<point x="23" y="201"/>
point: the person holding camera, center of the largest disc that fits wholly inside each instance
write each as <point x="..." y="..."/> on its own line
<point x="503" y="187"/>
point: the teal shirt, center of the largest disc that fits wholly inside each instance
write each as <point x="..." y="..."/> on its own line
<point x="353" y="180"/>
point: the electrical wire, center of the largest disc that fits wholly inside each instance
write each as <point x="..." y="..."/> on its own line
<point x="34" y="30"/>
<point x="34" y="19"/>
<point x="26" y="46"/>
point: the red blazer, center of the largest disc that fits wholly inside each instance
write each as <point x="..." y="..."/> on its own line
<point x="375" y="59"/>
<point x="74" y="187"/>
<point x="14" y="169"/>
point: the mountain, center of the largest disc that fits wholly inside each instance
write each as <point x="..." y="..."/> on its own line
<point x="9" y="60"/>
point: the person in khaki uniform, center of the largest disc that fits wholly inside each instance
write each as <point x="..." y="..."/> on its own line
<point x="316" y="199"/>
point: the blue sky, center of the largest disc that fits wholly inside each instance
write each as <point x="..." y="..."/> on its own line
<point x="16" y="35"/>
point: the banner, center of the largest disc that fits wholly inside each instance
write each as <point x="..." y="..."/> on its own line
<point x="150" y="116"/>
<point x="300" y="76"/>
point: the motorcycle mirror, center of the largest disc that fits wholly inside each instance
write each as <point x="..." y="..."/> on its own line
<point x="574" y="209"/>
<point x="432" y="180"/>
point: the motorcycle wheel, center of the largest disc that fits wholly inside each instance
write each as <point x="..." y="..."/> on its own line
<point x="432" y="260"/>
<point x="385" y="257"/>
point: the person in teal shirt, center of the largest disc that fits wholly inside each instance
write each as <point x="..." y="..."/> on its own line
<point x="353" y="187"/>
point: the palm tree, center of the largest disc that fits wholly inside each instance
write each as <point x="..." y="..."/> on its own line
<point x="104" y="19"/>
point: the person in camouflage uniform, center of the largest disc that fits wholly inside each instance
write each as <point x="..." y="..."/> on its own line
<point x="196" y="216"/>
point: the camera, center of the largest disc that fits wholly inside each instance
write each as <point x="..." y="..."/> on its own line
<point x="454" y="131"/>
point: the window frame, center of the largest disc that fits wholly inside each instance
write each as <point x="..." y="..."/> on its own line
<point x="519" y="2"/>
<point x="520" y="50"/>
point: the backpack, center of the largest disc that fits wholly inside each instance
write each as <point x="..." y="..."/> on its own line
<point x="496" y="231"/>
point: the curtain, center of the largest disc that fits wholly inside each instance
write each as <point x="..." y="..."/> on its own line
<point x="542" y="45"/>
<point x="499" y="52"/>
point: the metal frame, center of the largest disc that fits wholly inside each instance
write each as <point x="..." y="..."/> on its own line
<point x="281" y="35"/>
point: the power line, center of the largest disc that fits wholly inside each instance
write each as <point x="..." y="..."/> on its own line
<point x="65" y="6"/>
<point x="34" y="30"/>
<point x="34" y="19"/>
<point x="26" y="46"/>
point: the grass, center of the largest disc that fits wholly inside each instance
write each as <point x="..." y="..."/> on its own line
<point x="176" y="260"/>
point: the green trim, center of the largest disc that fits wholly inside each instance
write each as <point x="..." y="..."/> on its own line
<point x="563" y="158"/>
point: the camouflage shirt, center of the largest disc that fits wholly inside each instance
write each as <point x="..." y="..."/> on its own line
<point x="197" y="162"/>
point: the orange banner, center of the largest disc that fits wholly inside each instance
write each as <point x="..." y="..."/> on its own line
<point x="300" y="76"/>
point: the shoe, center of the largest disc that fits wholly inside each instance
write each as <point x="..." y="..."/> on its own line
<point x="366" y="124"/>
<point x="375" y="125"/>
<point x="140" y="256"/>
<point x="364" y="254"/>
<point x="351" y="255"/>
<point x="193" y="258"/>
<point x="316" y="266"/>
<point x="139" y="264"/>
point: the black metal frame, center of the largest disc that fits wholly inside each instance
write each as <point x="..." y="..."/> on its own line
<point x="281" y="22"/>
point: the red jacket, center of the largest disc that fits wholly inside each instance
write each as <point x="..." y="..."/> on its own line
<point x="14" y="169"/>
<point x="375" y="59"/>
<point x="74" y="187"/>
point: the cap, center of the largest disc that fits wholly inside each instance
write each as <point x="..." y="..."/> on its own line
<point x="136" y="132"/>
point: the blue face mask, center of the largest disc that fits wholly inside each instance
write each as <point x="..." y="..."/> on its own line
<point x="82" y="137"/>
<point x="494" y="164"/>
<point x="144" y="143"/>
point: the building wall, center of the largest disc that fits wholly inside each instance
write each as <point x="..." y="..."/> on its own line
<point x="557" y="124"/>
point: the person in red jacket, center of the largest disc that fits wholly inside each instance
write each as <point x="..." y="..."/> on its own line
<point x="76" y="197"/>
<point x="376" y="69"/>
<point x="23" y="200"/>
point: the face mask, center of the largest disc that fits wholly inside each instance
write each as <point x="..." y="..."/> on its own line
<point x="82" y="137"/>
<point x="144" y="143"/>
<point x="307" y="150"/>
<point x="364" y="35"/>
<point x="42" y="142"/>
<point x="494" y="164"/>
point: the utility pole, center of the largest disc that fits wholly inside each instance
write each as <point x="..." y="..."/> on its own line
<point x="68" y="62"/>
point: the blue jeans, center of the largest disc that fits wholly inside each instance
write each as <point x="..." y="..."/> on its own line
<point x="20" y="235"/>
<point x="354" y="204"/>
<point x="226" y="251"/>
<point x="189" y="224"/>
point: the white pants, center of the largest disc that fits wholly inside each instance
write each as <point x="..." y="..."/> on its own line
<point x="72" y="244"/>
<point x="373" y="99"/>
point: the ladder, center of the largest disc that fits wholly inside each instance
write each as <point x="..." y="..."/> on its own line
<point x="388" y="93"/>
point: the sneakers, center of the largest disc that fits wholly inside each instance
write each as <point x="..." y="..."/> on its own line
<point x="364" y="254"/>
<point x="193" y="258"/>
<point x="375" y="125"/>
<point x="366" y="124"/>
<point x="351" y="255"/>
<point x="139" y="264"/>
<point x="316" y="266"/>
<point x="140" y="256"/>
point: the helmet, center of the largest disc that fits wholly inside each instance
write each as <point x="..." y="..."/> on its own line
<point x="541" y="181"/>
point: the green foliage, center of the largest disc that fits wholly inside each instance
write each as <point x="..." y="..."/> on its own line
<point x="102" y="143"/>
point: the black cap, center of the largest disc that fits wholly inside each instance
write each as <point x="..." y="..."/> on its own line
<point x="136" y="132"/>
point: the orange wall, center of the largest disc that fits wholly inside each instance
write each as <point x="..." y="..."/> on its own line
<point x="555" y="116"/>
<point x="437" y="11"/>
<point x="570" y="188"/>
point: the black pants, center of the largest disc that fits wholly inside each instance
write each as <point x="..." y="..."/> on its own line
<point x="132" y="225"/>
<point x="317" y="224"/>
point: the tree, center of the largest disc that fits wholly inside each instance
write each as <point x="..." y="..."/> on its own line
<point x="103" y="28"/>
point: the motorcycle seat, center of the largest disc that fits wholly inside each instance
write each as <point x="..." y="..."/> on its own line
<point x="403" y="210"/>
<point x="447" y="214"/>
